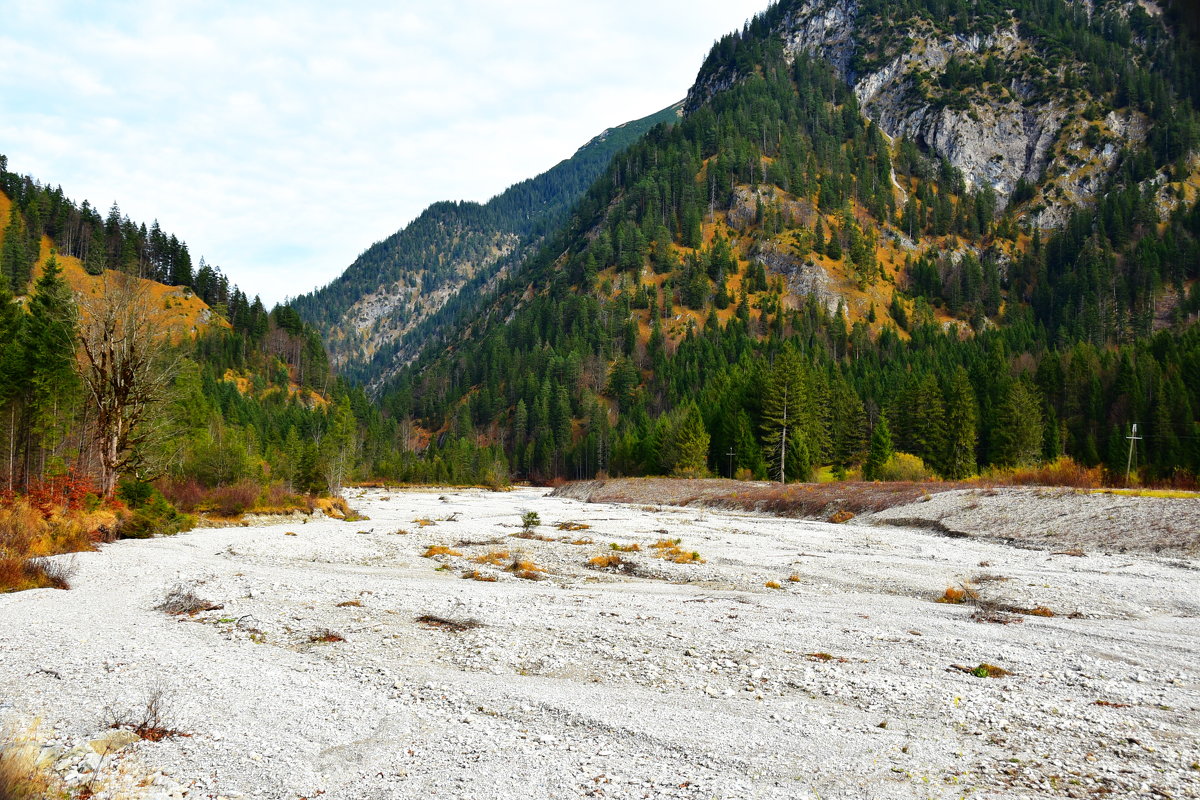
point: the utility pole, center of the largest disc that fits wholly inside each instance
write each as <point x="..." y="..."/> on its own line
<point x="1133" y="440"/>
<point x="731" y="454"/>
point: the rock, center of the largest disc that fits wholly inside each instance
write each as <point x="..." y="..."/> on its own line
<point x="113" y="742"/>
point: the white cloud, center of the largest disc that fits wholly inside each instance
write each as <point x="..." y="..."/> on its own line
<point x="281" y="140"/>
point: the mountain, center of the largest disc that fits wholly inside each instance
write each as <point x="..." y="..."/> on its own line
<point x="1001" y="90"/>
<point x="965" y="231"/>
<point x="372" y="315"/>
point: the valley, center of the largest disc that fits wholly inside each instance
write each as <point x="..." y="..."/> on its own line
<point x="784" y="659"/>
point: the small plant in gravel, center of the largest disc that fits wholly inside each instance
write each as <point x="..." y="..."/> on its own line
<point x="573" y="526"/>
<point x="150" y="721"/>
<point x="423" y="522"/>
<point x="578" y="542"/>
<point x="182" y="599"/>
<point x="350" y="604"/>
<point x="326" y="636"/>
<point x="773" y="585"/>
<point x="529" y="521"/>
<point x="794" y="579"/>
<point x="626" y="548"/>
<point x="440" y="550"/>
<point x="984" y="670"/>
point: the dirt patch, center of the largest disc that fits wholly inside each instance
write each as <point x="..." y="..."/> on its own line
<point x="802" y="500"/>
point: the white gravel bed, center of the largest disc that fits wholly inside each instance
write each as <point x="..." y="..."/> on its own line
<point x="652" y="680"/>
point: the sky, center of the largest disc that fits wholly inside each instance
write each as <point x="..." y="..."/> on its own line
<point x="281" y="139"/>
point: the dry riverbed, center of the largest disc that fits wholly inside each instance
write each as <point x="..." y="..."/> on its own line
<point x="757" y="657"/>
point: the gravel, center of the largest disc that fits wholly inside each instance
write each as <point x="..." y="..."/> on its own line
<point x="656" y="680"/>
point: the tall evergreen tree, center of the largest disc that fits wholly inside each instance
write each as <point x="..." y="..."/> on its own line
<point x="961" y="421"/>
<point x="881" y="450"/>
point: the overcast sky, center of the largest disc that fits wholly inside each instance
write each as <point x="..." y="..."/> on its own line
<point x="281" y="139"/>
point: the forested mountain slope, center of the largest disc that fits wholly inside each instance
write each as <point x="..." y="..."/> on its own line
<point x="823" y="263"/>
<point x="372" y="315"/>
<point x="201" y="387"/>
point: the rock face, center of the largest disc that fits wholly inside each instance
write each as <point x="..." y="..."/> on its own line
<point x="1005" y="132"/>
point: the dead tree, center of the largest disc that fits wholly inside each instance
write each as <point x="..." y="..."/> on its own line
<point x="127" y="375"/>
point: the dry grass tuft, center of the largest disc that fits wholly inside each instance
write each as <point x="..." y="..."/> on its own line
<point x="482" y="577"/>
<point x="826" y="658"/>
<point x="669" y="550"/>
<point x="794" y="578"/>
<point x="350" y="604"/>
<point x="578" y="542"/>
<point x="773" y="585"/>
<point x="1109" y="704"/>
<point x="841" y="516"/>
<point x="182" y="599"/>
<point x="326" y="636"/>
<point x="960" y="594"/>
<point x="613" y="563"/>
<point x="23" y="776"/>
<point x="573" y="526"/>
<point x="440" y="550"/>
<point x="495" y="558"/>
<point x="626" y="548"/>
<point x="526" y="570"/>
<point x="424" y="522"/>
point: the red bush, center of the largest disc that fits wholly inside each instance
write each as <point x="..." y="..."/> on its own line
<point x="235" y="499"/>
<point x="186" y="495"/>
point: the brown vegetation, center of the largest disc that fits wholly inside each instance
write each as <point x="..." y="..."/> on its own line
<point x="447" y="624"/>
<point x="150" y="722"/>
<point x="482" y="577"/>
<point x="440" y="550"/>
<point x="31" y="530"/>
<point x="526" y="570"/>
<point x="182" y="599"/>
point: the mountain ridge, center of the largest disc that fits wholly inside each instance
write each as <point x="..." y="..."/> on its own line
<point x="369" y="313"/>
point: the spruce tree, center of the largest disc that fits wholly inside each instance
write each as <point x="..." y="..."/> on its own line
<point x="881" y="450"/>
<point x="1018" y="430"/>
<point x="48" y="351"/>
<point x="961" y="420"/>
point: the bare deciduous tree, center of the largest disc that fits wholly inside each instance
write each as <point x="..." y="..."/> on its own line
<point x="127" y="374"/>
